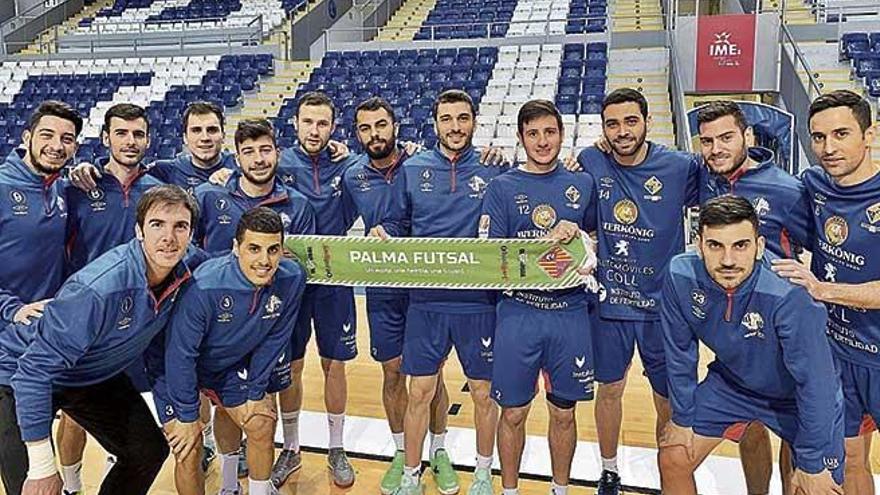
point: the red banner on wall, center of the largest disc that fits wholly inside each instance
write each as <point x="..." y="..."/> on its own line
<point x="725" y="52"/>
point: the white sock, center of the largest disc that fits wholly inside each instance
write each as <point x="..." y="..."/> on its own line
<point x="484" y="462"/>
<point x="208" y="436"/>
<point x="398" y="441"/>
<point x="336" y="424"/>
<point x="510" y="491"/>
<point x="609" y="464"/>
<point x="438" y="441"/>
<point x="412" y="473"/>
<point x="263" y="487"/>
<point x="558" y="489"/>
<point x="229" y="471"/>
<point x="290" y="428"/>
<point x="72" y="476"/>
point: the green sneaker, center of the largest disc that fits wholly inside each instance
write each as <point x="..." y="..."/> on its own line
<point x="482" y="484"/>
<point x="408" y="487"/>
<point x="391" y="480"/>
<point x="444" y="476"/>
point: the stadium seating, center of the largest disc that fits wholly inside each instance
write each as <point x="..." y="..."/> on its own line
<point x="586" y="16"/>
<point x="862" y="51"/>
<point x="164" y="86"/>
<point x="461" y="19"/>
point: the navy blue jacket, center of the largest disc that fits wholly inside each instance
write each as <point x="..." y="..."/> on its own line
<point x="320" y="180"/>
<point x="181" y="171"/>
<point x="640" y="228"/>
<point x="101" y="321"/>
<point x="222" y="207"/>
<point x="524" y="205"/>
<point x="33" y="220"/>
<point x="378" y="196"/>
<point x="224" y="324"/>
<point x="104" y="217"/>
<point x="444" y="198"/>
<point x="775" y="194"/>
<point x="844" y="234"/>
<point x="768" y="337"/>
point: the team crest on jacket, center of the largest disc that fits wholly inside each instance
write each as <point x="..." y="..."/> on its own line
<point x="125" y="308"/>
<point x="273" y="307"/>
<point x="226" y="304"/>
<point x="427" y="176"/>
<point x="96" y="196"/>
<point x="336" y="185"/>
<point x="626" y="212"/>
<point x="573" y="196"/>
<point x="653" y="186"/>
<point x="754" y="323"/>
<point x="836" y="230"/>
<point x="873" y="214"/>
<point x="478" y="186"/>
<point x="762" y="206"/>
<point x="19" y="202"/>
<point x="544" y="216"/>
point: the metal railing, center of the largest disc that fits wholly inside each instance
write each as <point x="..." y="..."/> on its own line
<point x="838" y="10"/>
<point x="813" y="88"/>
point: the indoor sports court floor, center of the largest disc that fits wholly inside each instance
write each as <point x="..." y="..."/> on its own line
<point x="369" y="443"/>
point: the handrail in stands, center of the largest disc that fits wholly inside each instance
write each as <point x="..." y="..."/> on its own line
<point x="839" y="9"/>
<point x="814" y="89"/>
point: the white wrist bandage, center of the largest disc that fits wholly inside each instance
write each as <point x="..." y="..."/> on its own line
<point x="42" y="460"/>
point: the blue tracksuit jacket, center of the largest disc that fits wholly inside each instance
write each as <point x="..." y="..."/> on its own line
<point x="181" y="171"/>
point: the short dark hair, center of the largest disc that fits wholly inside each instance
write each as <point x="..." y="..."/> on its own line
<point x="317" y="99"/>
<point x="454" y="96"/>
<point x="726" y="210"/>
<point x="167" y="194"/>
<point x="203" y="108"/>
<point x="534" y="109"/>
<point x="127" y="112"/>
<point x="373" y="104"/>
<point x="625" y="95"/>
<point x="859" y="106"/>
<point x="260" y="219"/>
<point x="55" y="108"/>
<point x="253" y="129"/>
<point x="714" y="110"/>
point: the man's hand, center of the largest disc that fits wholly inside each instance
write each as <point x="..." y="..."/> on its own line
<point x="84" y="176"/>
<point x="814" y="484"/>
<point x="44" y="486"/>
<point x="673" y="435"/>
<point x="493" y="156"/>
<point x="183" y="437"/>
<point x="799" y="274"/>
<point x="603" y="145"/>
<point x="30" y="311"/>
<point x="411" y="147"/>
<point x="221" y="177"/>
<point x="564" y="232"/>
<point x="378" y="231"/>
<point x="571" y="163"/>
<point x="338" y="151"/>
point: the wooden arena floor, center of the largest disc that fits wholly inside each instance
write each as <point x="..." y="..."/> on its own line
<point x="365" y="401"/>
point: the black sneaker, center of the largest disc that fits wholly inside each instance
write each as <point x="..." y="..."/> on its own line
<point x="609" y="483"/>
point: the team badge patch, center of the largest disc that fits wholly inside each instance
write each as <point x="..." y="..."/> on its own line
<point x="626" y="212"/>
<point x="762" y="206"/>
<point x="226" y="304"/>
<point x="544" y="216"/>
<point x="555" y="261"/>
<point x="653" y="185"/>
<point x="572" y="194"/>
<point x="754" y="323"/>
<point x="836" y="230"/>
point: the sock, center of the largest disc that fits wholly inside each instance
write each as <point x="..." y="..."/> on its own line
<point x="510" y="491"/>
<point x="609" y="464"/>
<point x="484" y="462"/>
<point x="208" y="436"/>
<point x="72" y="476"/>
<point x="558" y="489"/>
<point x="263" y="487"/>
<point x="336" y="423"/>
<point x="398" y="441"/>
<point x="412" y="473"/>
<point x="290" y="428"/>
<point x="229" y="471"/>
<point x="438" y="441"/>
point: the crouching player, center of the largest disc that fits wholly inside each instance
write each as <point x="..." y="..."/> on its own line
<point x="772" y="359"/>
<point x="540" y="330"/>
<point x="233" y="326"/>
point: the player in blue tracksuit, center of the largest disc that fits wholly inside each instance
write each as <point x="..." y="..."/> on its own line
<point x="727" y="298"/>
<point x="843" y="199"/>
<point x="33" y="212"/>
<point x="444" y="193"/>
<point x="102" y="319"/>
<point x="232" y="327"/>
<point x="308" y="168"/>
<point x="540" y="331"/>
<point x="642" y="189"/>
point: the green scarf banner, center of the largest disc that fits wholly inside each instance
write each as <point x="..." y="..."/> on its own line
<point x="439" y="263"/>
